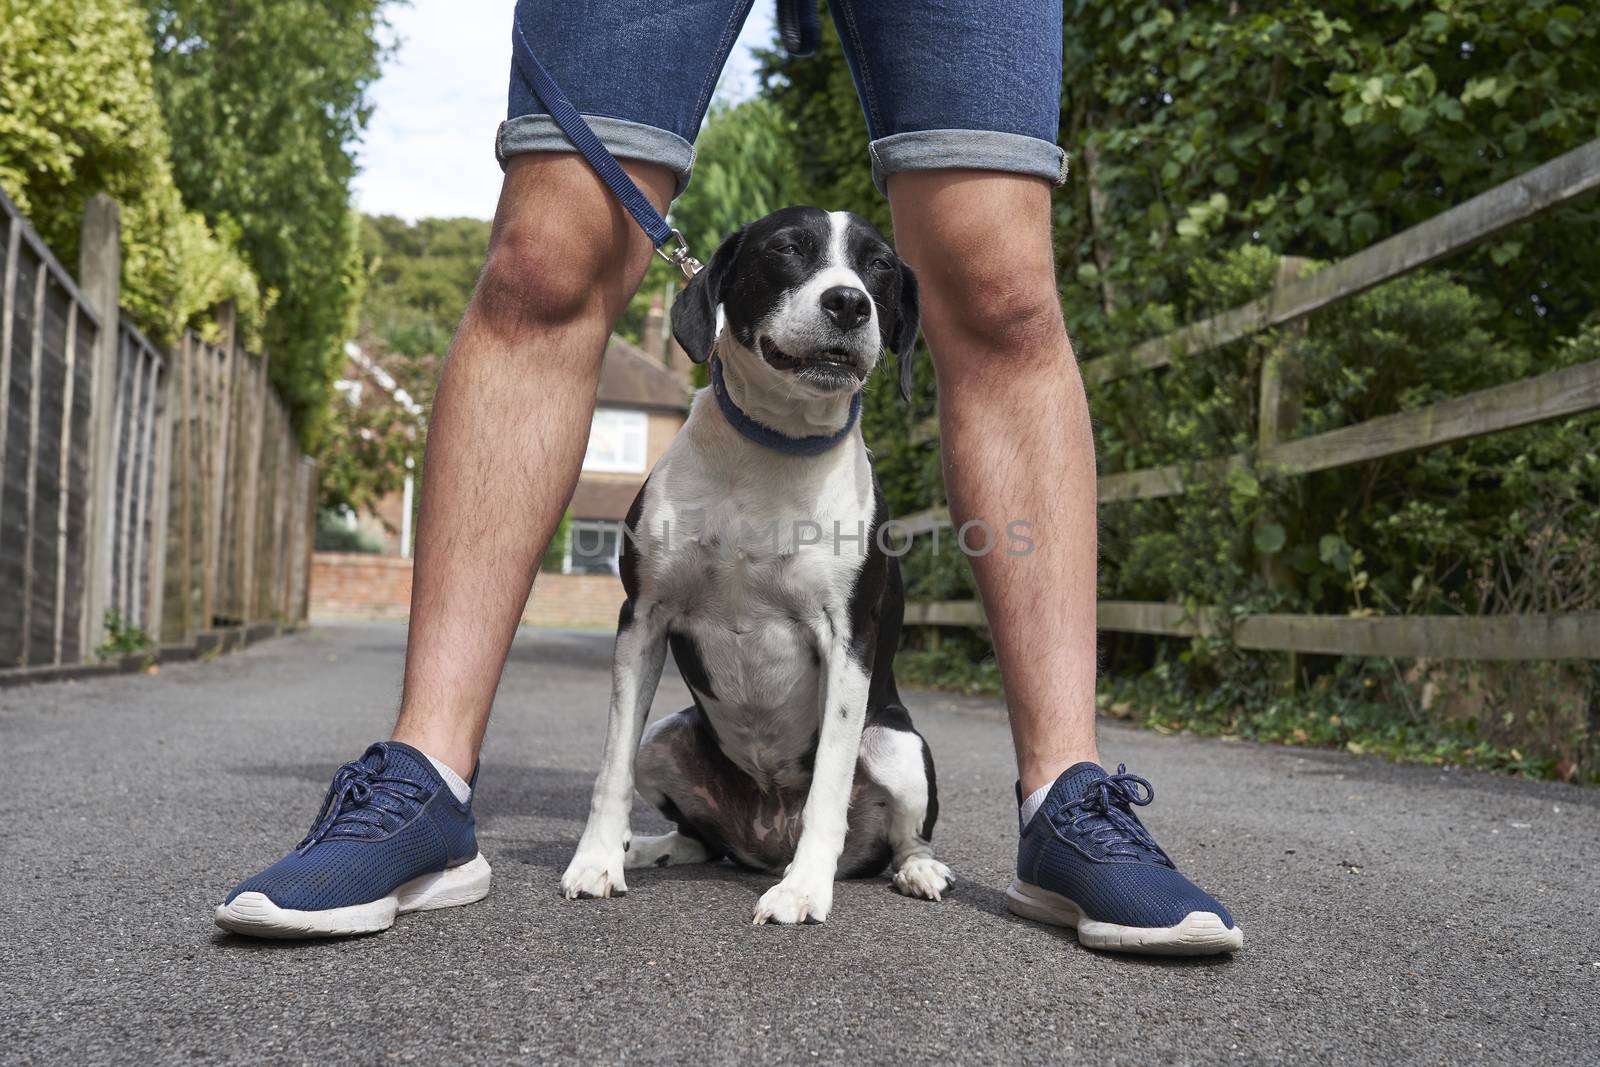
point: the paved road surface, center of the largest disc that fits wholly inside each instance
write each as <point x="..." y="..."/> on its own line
<point x="1391" y="913"/>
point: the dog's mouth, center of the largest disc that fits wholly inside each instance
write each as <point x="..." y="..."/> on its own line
<point x="826" y="365"/>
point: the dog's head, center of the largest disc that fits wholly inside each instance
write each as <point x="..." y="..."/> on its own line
<point x="812" y="297"/>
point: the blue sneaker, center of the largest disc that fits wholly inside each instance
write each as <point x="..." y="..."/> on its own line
<point x="1086" y="861"/>
<point x="390" y="838"/>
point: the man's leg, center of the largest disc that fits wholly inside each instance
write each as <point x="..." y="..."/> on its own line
<point x="509" y="429"/>
<point x="1017" y="445"/>
<point x="396" y="833"/>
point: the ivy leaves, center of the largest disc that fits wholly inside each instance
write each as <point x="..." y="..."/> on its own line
<point x="1314" y="129"/>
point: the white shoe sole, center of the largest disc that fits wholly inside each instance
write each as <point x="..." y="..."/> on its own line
<point x="1201" y="933"/>
<point x="257" y="916"/>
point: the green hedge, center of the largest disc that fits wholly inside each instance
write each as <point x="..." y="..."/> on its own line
<point x="1205" y="140"/>
<point x="79" y="115"/>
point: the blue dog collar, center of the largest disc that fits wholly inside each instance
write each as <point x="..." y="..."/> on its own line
<point x="766" y="436"/>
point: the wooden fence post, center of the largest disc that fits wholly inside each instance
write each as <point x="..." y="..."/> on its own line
<point x="255" y="428"/>
<point x="64" y="482"/>
<point x="1281" y="384"/>
<point x="100" y="278"/>
<point x="308" y="528"/>
<point x="176" y="627"/>
<point x="1281" y="398"/>
<point x="162" y="472"/>
<point x="227" y="318"/>
<point x="30" y="514"/>
<point x="213" y="473"/>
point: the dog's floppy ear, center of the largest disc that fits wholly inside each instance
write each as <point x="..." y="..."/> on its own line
<point x="903" y="331"/>
<point x="694" y="312"/>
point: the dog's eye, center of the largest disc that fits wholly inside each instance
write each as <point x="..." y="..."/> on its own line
<point x="881" y="264"/>
<point x="790" y="249"/>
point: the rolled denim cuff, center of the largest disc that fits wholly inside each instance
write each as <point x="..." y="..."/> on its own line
<point x="954" y="149"/>
<point x="624" y="139"/>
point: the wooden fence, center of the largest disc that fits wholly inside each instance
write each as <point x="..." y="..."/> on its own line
<point x="1558" y="394"/>
<point x="48" y="336"/>
<point x="162" y="491"/>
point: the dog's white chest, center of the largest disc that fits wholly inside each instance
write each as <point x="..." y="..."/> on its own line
<point x="747" y="572"/>
<point x="747" y="618"/>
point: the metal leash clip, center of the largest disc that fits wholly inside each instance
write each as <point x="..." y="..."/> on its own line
<point x="679" y="257"/>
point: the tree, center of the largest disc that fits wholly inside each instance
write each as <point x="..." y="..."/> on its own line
<point x="265" y="100"/>
<point x="418" y="277"/>
<point x="369" y="436"/>
<point x="79" y="115"/>
<point x="743" y="170"/>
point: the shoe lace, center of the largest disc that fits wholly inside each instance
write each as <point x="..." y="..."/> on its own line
<point x="1104" y="814"/>
<point x="363" y="801"/>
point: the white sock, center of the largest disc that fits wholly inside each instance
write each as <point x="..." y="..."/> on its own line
<point x="461" y="789"/>
<point x="1031" y="805"/>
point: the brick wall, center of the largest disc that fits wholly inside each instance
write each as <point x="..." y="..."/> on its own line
<point x="359" y="583"/>
<point x="574" y="600"/>
<point x="369" y="586"/>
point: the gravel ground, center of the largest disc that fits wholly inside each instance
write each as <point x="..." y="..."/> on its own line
<point x="1390" y="913"/>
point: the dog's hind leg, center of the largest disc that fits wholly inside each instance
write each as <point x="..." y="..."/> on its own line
<point x="666" y="850"/>
<point x="898" y="760"/>
<point x="671" y="774"/>
<point x="717" y="808"/>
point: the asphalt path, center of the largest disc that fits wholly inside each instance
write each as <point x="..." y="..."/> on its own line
<point x="1391" y="913"/>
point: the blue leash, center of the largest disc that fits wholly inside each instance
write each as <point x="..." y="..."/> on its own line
<point x="801" y="34"/>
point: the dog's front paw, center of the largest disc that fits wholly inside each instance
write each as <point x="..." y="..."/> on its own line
<point x="594" y="873"/>
<point x="923" y="876"/>
<point x="796" y="900"/>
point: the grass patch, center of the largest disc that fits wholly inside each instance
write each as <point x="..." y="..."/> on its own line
<point x="1371" y="707"/>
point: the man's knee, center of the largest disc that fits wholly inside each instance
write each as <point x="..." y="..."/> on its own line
<point x="1007" y="314"/>
<point x="561" y="249"/>
<point x="983" y="254"/>
<point x="528" y="281"/>
<point x="984" y="319"/>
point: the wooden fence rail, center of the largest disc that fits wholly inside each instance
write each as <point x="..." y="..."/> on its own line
<point x="1546" y="186"/>
<point x="1558" y="394"/>
<point x="125" y="475"/>
<point x="1480" y="637"/>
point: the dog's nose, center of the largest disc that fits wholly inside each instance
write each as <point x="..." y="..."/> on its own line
<point x="847" y="306"/>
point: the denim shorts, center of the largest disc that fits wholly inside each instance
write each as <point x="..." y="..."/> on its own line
<point x="942" y="83"/>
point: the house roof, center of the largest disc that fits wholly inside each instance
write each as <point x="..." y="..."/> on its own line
<point x="630" y="378"/>
<point x="594" y="499"/>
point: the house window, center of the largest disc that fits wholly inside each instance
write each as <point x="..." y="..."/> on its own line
<point x="617" y="441"/>
<point x="594" y="547"/>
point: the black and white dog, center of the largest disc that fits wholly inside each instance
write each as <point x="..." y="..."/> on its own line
<point x="754" y="550"/>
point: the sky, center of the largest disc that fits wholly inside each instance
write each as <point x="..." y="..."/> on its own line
<point x="429" y="148"/>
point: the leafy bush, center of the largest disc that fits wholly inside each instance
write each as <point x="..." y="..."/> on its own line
<point x="1205" y="140"/>
<point x="79" y="115"/>
<point x="334" y="534"/>
<point x="555" y="554"/>
<point x="1503" y="524"/>
<point x="123" y="638"/>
